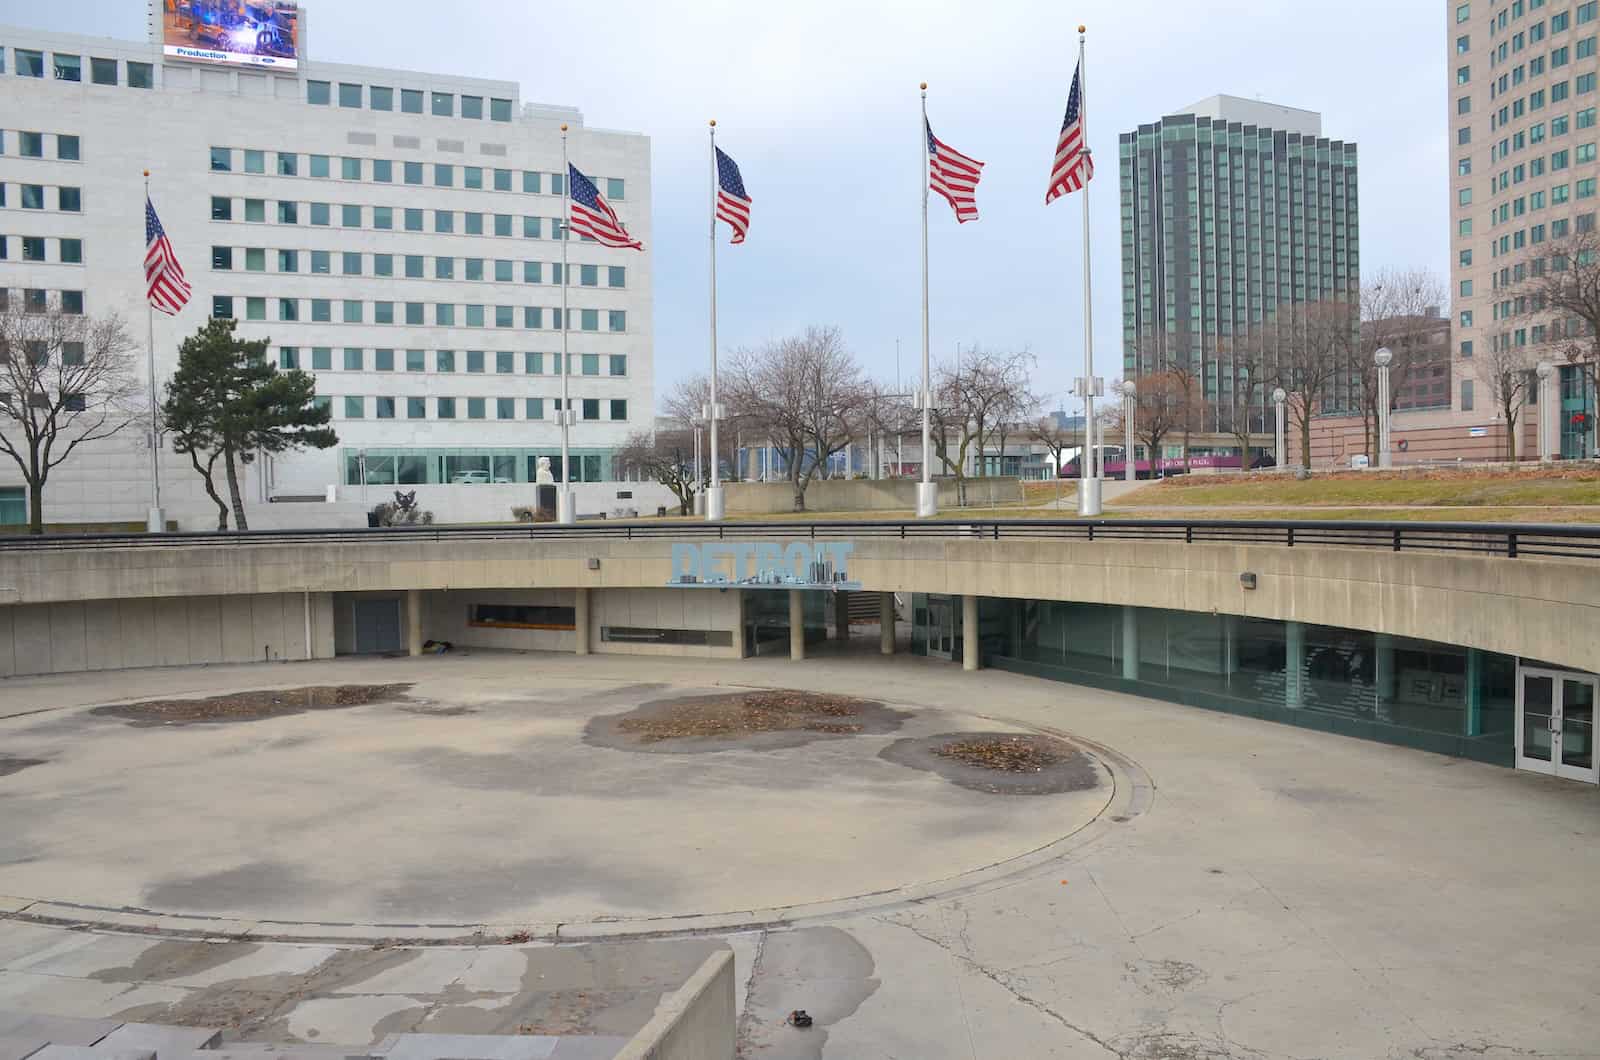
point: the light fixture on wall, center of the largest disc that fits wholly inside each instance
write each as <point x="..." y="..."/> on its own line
<point x="594" y="563"/>
<point x="1247" y="580"/>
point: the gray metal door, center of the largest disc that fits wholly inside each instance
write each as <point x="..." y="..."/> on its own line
<point x="377" y="626"/>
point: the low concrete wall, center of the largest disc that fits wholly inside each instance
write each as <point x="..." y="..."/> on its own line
<point x="694" y="1023"/>
<point x="75" y="636"/>
<point x="862" y="495"/>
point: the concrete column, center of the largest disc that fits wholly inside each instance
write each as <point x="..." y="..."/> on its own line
<point x="1472" y="716"/>
<point x="886" y="623"/>
<point x="1130" y="643"/>
<point x="1294" y="664"/>
<point x="841" y="616"/>
<point x="580" y="609"/>
<point x="413" y="622"/>
<point x="1383" y="675"/>
<point x="969" y="633"/>
<point x="797" y="625"/>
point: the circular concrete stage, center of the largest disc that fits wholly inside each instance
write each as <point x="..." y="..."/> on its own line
<point x="502" y="793"/>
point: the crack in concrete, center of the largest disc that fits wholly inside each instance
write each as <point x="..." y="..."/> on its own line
<point x="747" y="1018"/>
<point x="1001" y="980"/>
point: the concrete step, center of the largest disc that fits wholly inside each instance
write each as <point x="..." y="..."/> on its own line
<point x="13" y="1047"/>
<point x="54" y="1051"/>
<point x="466" y="1047"/>
<point x="281" y="1051"/>
<point x="63" y="1030"/>
<point x="168" y="1043"/>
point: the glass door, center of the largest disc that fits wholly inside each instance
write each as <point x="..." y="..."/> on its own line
<point x="941" y="627"/>
<point x="1555" y="724"/>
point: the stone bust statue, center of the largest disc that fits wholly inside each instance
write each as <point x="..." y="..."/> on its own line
<point x="542" y="473"/>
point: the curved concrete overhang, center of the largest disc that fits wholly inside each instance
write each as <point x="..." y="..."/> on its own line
<point x="1547" y="609"/>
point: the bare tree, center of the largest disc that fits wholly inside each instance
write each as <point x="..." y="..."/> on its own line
<point x="1508" y="373"/>
<point x="1057" y="437"/>
<point x="65" y="380"/>
<point x="1160" y="408"/>
<point x="972" y="397"/>
<point x="805" y="393"/>
<point x="1395" y="305"/>
<point x="666" y="457"/>
<point x="1568" y="292"/>
<point x="1237" y="410"/>
<point x="1313" y="342"/>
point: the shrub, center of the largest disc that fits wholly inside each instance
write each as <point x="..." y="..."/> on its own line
<point x="525" y="513"/>
<point x="402" y="511"/>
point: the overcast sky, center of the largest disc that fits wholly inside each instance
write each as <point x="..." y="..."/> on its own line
<point x="817" y="102"/>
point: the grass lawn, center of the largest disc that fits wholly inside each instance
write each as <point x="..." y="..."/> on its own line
<point x="1563" y="487"/>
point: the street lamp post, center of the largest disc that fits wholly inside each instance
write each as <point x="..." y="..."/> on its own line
<point x="1382" y="359"/>
<point x="1128" y="403"/>
<point x="1279" y="396"/>
<point x="699" y="491"/>
<point x="1546" y="411"/>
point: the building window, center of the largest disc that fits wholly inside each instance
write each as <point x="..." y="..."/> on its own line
<point x="474" y="316"/>
<point x="444" y="361"/>
<point x="221" y="305"/>
<point x="416" y="361"/>
<point x="474" y="223"/>
<point x="444" y="176"/>
<point x="103" y="71"/>
<point x="1463" y="74"/>
<point x="320" y="214"/>
<point x="618" y="320"/>
<point x="29" y="63"/>
<point x="141" y="75"/>
<point x="1466" y="318"/>
<point x="255" y="161"/>
<point x="445" y="408"/>
<point x="288" y="213"/>
<point x="353" y="313"/>
<point x="288" y="358"/>
<point x="505" y="362"/>
<point x="383" y="170"/>
<point x="472" y="106"/>
<point x="1464" y="135"/>
<point x="410" y="101"/>
<point x="591" y="409"/>
<point x="319" y="166"/>
<point x="68" y="67"/>
<point x="619" y="364"/>
<point x="349" y="95"/>
<point x="321" y="358"/>
<point x="70" y="200"/>
<point x="1464" y="105"/>
<point x="72" y="303"/>
<point x="589" y="319"/>
<point x="381" y="98"/>
<point x="413" y="219"/>
<point x="318" y="93"/>
<point x="383" y="408"/>
<point x="383" y="312"/>
<point x="71" y="251"/>
<point x="1466" y="288"/>
<point x="444" y="221"/>
<point x="619" y="409"/>
<point x="531" y="183"/>
<point x="354" y="407"/>
<point x="502" y="180"/>
<point x="444" y="105"/>
<point x="288" y="309"/>
<point x="321" y="262"/>
<point x="476" y="409"/>
<point x="321" y="311"/>
<point x="416" y="408"/>
<point x="499" y="110"/>
<point x="1463" y="13"/>
<point x="33" y="248"/>
<point x="1466" y="395"/>
<point x="505" y="316"/>
<point x="535" y="408"/>
<point x="1466" y="349"/>
<point x="1463" y="45"/>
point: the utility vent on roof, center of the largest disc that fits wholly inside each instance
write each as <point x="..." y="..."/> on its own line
<point x="369" y="139"/>
<point x="408" y="141"/>
<point x="493" y="149"/>
<point x="452" y="145"/>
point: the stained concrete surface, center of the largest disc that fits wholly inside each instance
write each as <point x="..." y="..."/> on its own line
<point x="413" y="812"/>
<point x="1286" y="894"/>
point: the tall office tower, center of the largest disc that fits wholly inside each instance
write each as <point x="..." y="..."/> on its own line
<point x="1233" y="211"/>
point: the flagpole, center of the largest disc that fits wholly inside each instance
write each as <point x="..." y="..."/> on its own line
<point x="155" y="521"/>
<point x="927" y="492"/>
<point x="714" y="507"/>
<point x="1088" y="477"/>
<point x="565" y="511"/>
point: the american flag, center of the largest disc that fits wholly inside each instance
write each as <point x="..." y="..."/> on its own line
<point x="592" y="216"/>
<point x="733" y="202"/>
<point x="1073" y="167"/>
<point x="168" y="290"/>
<point x="953" y="175"/>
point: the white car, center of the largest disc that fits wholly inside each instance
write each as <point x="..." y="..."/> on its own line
<point x="469" y="478"/>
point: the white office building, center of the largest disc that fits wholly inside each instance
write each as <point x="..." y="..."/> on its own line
<point x="394" y="233"/>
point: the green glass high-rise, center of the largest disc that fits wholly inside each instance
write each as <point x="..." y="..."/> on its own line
<point x="1231" y="211"/>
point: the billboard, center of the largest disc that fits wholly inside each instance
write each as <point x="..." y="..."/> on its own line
<point x="264" y="33"/>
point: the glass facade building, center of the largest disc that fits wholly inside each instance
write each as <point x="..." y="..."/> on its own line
<point x="1416" y="693"/>
<point x="1224" y="224"/>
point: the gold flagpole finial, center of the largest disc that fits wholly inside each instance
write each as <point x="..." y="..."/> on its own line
<point x="924" y="86"/>
<point x="1083" y="29"/>
<point x="713" y="123"/>
<point x="563" y="126"/>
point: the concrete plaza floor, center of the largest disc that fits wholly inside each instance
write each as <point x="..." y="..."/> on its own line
<point x="1232" y="888"/>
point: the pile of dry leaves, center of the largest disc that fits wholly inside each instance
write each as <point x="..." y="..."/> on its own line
<point x="1007" y="754"/>
<point x="742" y="713"/>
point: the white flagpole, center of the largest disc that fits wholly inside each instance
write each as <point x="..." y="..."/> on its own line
<point x="566" y="511"/>
<point x="1088" y="474"/>
<point x="155" y="521"/>
<point x="927" y="492"/>
<point x="714" y="507"/>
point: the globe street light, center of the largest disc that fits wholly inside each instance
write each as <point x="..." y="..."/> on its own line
<point x="1279" y="396"/>
<point x="1544" y="398"/>
<point x="1128" y="393"/>
<point x="1382" y="359"/>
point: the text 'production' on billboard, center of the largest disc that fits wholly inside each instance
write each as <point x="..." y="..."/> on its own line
<point x="232" y="32"/>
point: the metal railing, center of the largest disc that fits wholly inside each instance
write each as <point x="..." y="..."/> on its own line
<point x="1510" y="540"/>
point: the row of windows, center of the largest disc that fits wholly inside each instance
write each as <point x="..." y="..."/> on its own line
<point x="411" y="100"/>
<point x="35" y="248"/>
<point x="385" y="171"/>
<point x="352" y="407"/>
<point x="415" y="266"/>
<point x="504" y="362"/>
<point x="37" y="196"/>
<point x="31" y="145"/>
<point x="354" y="311"/>
<point x="35" y="300"/>
<point x="385" y="218"/>
<point x="67" y="67"/>
<point x="1560" y="228"/>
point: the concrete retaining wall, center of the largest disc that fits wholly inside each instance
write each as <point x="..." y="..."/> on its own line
<point x="694" y="1023"/>
<point x="862" y="495"/>
<point x="74" y="636"/>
